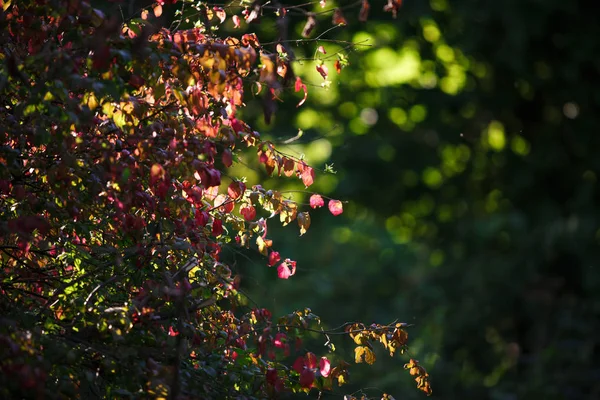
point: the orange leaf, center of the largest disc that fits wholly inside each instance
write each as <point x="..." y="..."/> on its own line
<point x="157" y="10"/>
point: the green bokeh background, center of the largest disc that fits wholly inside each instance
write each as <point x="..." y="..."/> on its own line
<point x="465" y="140"/>
<point x="465" y="143"/>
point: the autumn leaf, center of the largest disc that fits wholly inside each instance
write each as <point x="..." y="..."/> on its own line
<point x="393" y="6"/>
<point x="236" y="21"/>
<point x="217" y="227"/>
<point x="303" y="222"/>
<point x="157" y="10"/>
<point x="223" y="203"/>
<point x="307" y="378"/>
<point x="323" y="70"/>
<point x="227" y="158"/>
<point x="308" y="176"/>
<point x="316" y="201"/>
<point x="236" y="189"/>
<point x="249" y="212"/>
<point x="338" y="17"/>
<point x="335" y="207"/>
<point x="364" y="354"/>
<point x="311" y="23"/>
<point x="300" y="86"/>
<point x="324" y="367"/>
<point x="220" y="13"/>
<point x="363" y="15"/>
<point x="283" y="272"/>
<point x="274" y="258"/>
<point x="289" y="166"/>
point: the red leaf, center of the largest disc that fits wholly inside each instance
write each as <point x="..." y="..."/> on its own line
<point x="283" y="272"/>
<point x="172" y="332"/>
<point x="323" y="70"/>
<point x="249" y="213"/>
<point x="316" y="201"/>
<point x="324" y="367"/>
<point x="364" y="11"/>
<point x="311" y="360"/>
<point x="338" y="17"/>
<point x="307" y="378"/>
<point x="298" y="365"/>
<point x="301" y="86"/>
<point x="217" y="227"/>
<point x="227" y="158"/>
<point x="292" y="265"/>
<point x="280" y="339"/>
<point x="274" y="258"/>
<point x="335" y="207"/>
<point x="236" y="189"/>
<point x="271" y="376"/>
<point x="223" y="203"/>
<point x="308" y="176"/>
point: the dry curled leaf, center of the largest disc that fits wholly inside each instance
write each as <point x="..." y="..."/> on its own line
<point x="311" y="23"/>
<point x="363" y="15"/>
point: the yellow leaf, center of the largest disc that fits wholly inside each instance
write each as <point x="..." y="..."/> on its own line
<point x="358" y="354"/>
<point x="262" y="246"/>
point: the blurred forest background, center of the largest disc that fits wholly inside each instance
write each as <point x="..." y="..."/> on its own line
<point x="463" y="141"/>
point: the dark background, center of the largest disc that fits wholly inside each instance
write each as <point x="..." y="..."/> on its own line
<point x="465" y="143"/>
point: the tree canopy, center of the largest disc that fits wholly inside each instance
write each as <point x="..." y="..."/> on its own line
<point x="120" y="136"/>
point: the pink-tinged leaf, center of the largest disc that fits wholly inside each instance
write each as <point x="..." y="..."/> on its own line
<point x="274" y="258"/>
<point x="291" y="265"/>
<point x="301" y="86"/>
<point x="227" y="158"/>
<point x="280" y="340"/>
<point x="236" y="189"/>
<point x="283" y="272"/>
<point x="220" y="13"/>
<point x="298" y="365"/>
<point x="324" y="367"/>
<point x="172" y="332"/>
<point x="307" y="377"/>
<point x="316" y="201"/>
<point x="323" y="3"/>
<point x="321" y="49"/>
<point x="145" y="14"/>
<point x="223" y="203"/>
<point x="335" y="207"/>
<point x="249" y="213"/>
<point x="308" y="176"/>
<point x="311" y="23"/>
<point x="323" y="70"/>
<point x="311" y="360"/>
<point x="236" y="21"/>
